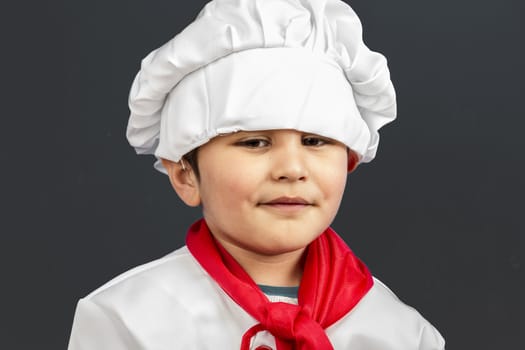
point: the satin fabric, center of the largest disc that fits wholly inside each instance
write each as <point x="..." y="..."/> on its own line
<point x="333" y="282"/>
<point x="270" y="64"/>
<point x="289" y="89"/>
<point x="172" y="303"/>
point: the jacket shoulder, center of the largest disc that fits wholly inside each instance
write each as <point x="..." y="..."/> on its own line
<point x="382" y="321"/>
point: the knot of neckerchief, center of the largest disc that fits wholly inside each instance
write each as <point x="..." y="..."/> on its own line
<point x="292" y="327"/>
<point x="334" y="280"/>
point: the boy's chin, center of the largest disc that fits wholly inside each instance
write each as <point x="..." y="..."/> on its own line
<point x="282" y="246"/>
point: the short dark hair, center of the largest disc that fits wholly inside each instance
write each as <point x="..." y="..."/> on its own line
<point x="191" y="159"/>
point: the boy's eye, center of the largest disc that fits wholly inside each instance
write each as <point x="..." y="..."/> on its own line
<point x="254" y="143"/>
<point x="314" y="141"/>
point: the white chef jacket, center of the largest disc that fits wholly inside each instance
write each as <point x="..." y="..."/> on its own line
<point x="172" y="303"/>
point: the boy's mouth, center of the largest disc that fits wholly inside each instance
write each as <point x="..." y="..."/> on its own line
<point x="287" y="203"/>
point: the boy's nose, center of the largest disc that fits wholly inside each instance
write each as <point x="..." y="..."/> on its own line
<point x="289" y="164"/>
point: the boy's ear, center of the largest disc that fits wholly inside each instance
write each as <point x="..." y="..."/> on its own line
<point x="184" y="181"/>
<point x="353" y="160"/>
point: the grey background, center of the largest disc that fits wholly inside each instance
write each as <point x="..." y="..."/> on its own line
<point x="437" y="215"/>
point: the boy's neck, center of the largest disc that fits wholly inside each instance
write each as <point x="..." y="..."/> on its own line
<point x="282" y="270"/>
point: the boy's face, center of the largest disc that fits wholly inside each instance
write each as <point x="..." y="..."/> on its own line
<point x="270" y="192"/>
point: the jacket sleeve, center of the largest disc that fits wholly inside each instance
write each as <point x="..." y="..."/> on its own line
<point x="431" y="339"/>
<point x="94" y="329"/>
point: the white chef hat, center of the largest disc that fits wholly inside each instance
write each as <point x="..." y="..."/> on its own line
<point x="260" y="65"/>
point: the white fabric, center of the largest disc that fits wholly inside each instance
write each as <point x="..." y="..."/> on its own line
<point x="262" y="64"/>
<point x="172" y="303"/>
<point x="282" y="299"/>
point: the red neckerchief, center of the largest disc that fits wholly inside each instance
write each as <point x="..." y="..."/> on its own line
<point x="333" y="282"/>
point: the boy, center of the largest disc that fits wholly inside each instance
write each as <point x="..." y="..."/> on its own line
<point x="257" y="111"/>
